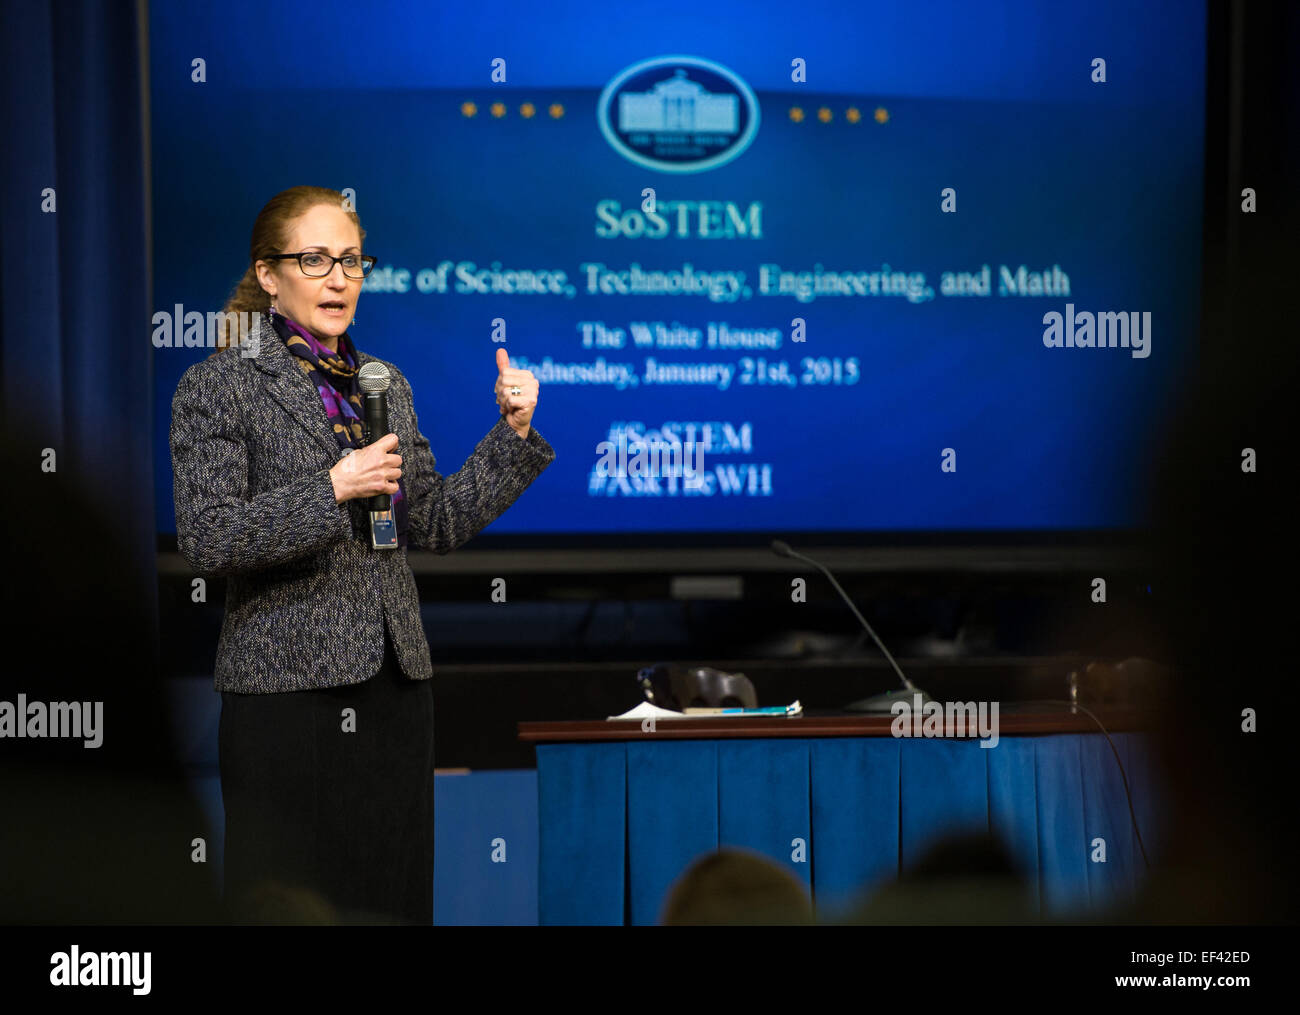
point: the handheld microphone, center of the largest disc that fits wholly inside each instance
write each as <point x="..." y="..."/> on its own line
<point x="879" y="702"/>
<point x="374" y="379"/>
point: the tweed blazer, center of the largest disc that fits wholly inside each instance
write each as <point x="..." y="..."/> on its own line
<point x="307" y="598"/>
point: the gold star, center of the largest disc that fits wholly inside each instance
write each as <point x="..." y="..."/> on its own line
<point x="527" y="110"/>
<point x="497" y="109"/>
<point x="881" y="115"/>
<point x="796" y="114"/>
<point x="824" y="115"/>
<point x="468" y="109"/>
<point x="853" y="114"/>
<point x="556" y="110"/>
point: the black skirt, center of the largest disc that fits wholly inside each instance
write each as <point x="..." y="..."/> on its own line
<point x="324" y="823"/>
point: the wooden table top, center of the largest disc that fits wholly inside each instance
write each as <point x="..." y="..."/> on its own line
<point x="1013" y="720"/>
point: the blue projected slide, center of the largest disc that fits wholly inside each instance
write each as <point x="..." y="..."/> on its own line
<point x="829" y="267"/>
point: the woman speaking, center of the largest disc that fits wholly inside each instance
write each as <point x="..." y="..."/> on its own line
<point x="326" y="731"/>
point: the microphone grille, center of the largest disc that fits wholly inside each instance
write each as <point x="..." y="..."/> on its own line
<point x="374" y="378"/>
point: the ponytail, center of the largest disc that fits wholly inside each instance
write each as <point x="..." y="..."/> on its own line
<point x="248" y="297"/>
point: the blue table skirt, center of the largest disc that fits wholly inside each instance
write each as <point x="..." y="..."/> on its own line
<point x="844" y="814"/>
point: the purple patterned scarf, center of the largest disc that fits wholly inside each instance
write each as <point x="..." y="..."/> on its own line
<point x="334" y="375"/>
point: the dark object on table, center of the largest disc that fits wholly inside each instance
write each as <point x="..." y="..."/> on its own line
<point x="669" y="685"/>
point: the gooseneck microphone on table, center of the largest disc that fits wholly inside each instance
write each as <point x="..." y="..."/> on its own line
<point x="374" y="379"/>
<point x="879" y="702"/>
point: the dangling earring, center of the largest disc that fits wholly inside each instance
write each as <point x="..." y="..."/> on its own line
<point x="270" y="312"/>
<point x="354" y="320"/>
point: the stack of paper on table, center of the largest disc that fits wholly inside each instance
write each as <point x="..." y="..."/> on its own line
<point x="645" y="710"/>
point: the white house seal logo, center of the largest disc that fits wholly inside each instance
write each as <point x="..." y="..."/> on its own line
<point x="678" y="114"/>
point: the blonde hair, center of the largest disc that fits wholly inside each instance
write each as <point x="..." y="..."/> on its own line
<point x="270" y="234"/>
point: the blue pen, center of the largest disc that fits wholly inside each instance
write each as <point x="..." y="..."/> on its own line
<point x="774" y="710"/>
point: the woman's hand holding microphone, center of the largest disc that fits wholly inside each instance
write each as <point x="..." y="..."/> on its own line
<point x="372" y="470"/>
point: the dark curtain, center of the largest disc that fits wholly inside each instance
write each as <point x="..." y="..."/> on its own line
<point x="80" y="595"/>
<point x="75" y="353"/>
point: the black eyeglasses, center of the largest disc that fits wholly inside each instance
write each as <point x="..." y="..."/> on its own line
<point x="316" y="264"/>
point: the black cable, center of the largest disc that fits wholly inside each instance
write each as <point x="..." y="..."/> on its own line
<point x="1129" y="796"/>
